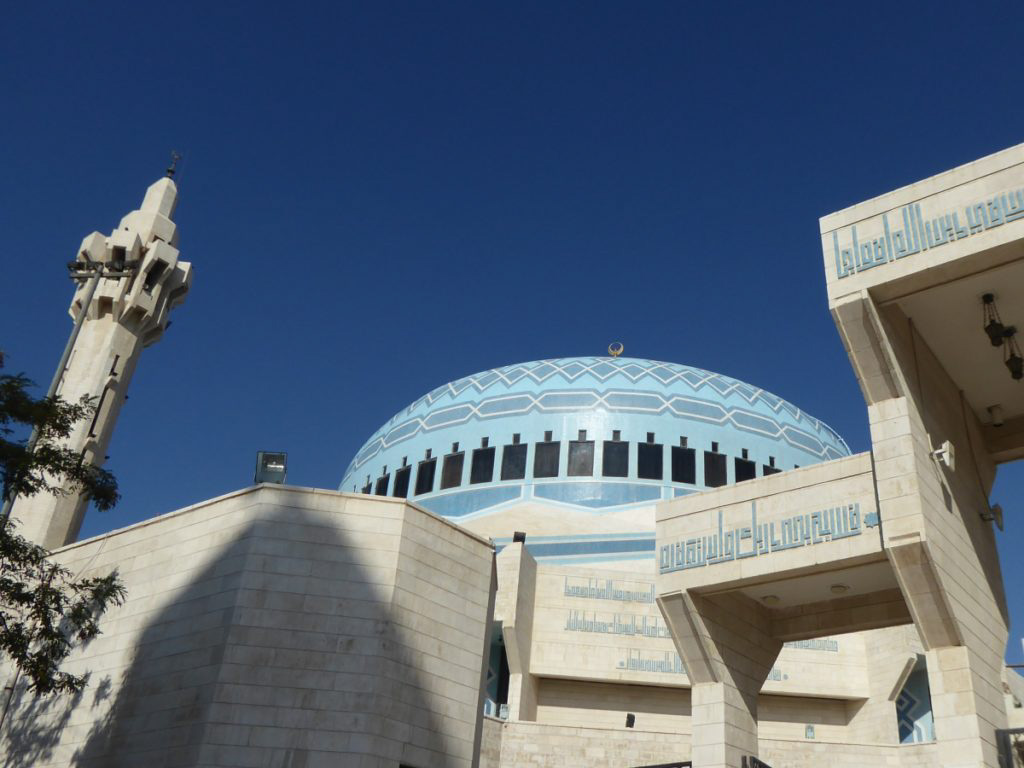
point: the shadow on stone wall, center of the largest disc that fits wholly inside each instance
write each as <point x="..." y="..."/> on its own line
<point x="36" y="725"/>
<point x="200" y="686"/>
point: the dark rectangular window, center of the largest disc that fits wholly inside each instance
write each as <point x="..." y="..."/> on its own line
<point x="616" y="459"/>
<point x="100" y="410"/>
<point x="382" y="485"/>
<point x="545" y="459"/>
<point x="482" y="468"/>
<point x="745" y="470"/>
<point x="581" y="458"/>
<point x="451" y="470"/>
<point x="368" y="488"/>
<point x="684" y="465"/>
<point x="513" y="462"/>
<point x="714" y="469"/>
<point x="401" y="489"/>
<point x="767" y="469"/>
<point x="649" y="460"/>
<point x="425" y="476"/>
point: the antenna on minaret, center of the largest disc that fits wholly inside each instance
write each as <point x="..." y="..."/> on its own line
<point x="175" y="157"/>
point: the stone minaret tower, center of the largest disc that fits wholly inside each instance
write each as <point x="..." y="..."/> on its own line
<point x="125" y="314"/>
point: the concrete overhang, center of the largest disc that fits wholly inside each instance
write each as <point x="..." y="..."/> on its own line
<point x="805" y="544"/>
<point x="925" y="255"/>
<point x="948" y="316"/>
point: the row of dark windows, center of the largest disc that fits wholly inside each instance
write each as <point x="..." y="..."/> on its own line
<point x="547" y="457"/>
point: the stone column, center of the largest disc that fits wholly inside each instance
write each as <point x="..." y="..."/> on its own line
<point x="725" y="641"/>
<point x="964" y="706"/>
<point x="514" y="607"/>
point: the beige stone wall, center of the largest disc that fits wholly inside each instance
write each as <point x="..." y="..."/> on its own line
<point x="786" y="717"/>
<point x="537" y="745"/>
<point x="945" y="193"/>
<point x="767" y="501"/>
<point x="275" y="626"/>
<point x="815" y="754"/>
<point x="542" y="519"/>
<point x="601" y="624"/>
<point x="490" y="743"/>
<point x="891" y="652"/>
<point x="603" y="705"/>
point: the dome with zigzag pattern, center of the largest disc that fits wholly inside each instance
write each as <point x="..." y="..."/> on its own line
<point x="595" y="436"/>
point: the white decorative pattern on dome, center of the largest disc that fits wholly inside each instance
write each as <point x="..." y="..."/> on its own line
<point x="566" y="385"/>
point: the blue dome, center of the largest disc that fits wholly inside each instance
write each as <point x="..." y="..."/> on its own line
<point x="599" y="434"/>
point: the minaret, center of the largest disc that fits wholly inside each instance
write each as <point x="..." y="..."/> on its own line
<point x="127" y="312"/>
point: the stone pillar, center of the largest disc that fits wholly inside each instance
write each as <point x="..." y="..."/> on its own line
<point x="725" y="641"/>
<point x="127" y="312"/>
<point x="943" y="555"/>
<point x="514" y="607"/>
<point x="964" y="707"/>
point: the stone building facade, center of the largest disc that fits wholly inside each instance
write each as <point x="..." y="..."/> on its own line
<point x="275" y="626"/>
<point x="610" y="561"/>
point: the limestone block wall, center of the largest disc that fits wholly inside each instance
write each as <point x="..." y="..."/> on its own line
<point x="685" y="523"/>
<point x="490" y="742"/>
<point x="814" y="754"/>
<point x="884" y="219"/>
<point x="514" y="608"/>
<point x="890" y="652"/>
<point x="934" y="516"/>
<point x="598" y="624"/>
<point x="603" y="705"/>
<point x="275" y="626"/>
<point x="537" y="745"/>
<point x="786" y="717"/>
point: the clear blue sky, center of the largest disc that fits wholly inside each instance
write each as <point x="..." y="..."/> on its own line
<point x="379" y="197"/>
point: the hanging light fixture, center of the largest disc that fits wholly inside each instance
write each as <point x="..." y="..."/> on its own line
<point x="1011" y="354"/>
<point x="990" y="318"/>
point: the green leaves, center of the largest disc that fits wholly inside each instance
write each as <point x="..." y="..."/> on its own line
<point x="52" y="467"/>
<point x="45" y="612"/>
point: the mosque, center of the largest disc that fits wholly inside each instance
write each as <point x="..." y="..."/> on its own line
<point x="599" y="561"/>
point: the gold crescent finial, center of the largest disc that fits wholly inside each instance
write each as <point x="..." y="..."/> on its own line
<point x="616" y="348"/>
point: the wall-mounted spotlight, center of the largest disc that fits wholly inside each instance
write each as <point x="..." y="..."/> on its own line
<point x="630" y="719"/>
<point x="518" y="537"/>
<point x="946" y="455"/>
<point x="1011" y="354"/>
<point x="990" y="320"/>
<point x="995" y="413"/>
<point x="994" y="515"/>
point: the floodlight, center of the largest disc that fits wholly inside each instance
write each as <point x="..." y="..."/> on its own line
<point x="271" y="467"/>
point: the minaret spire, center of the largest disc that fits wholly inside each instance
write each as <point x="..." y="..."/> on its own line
<point x="127" y="284"/>
<point x="175" y="157"/>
